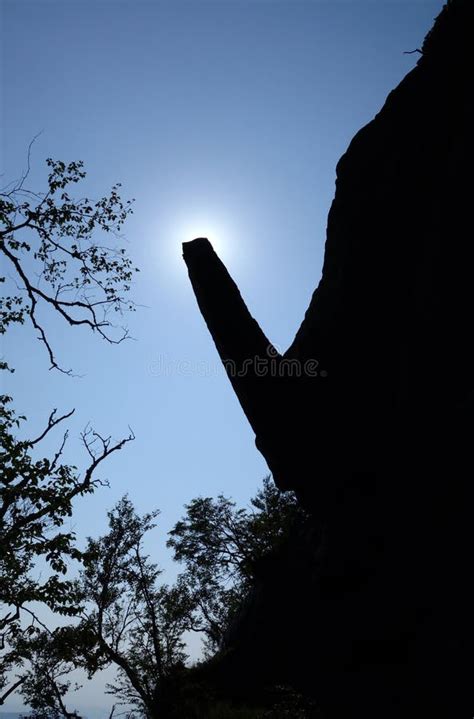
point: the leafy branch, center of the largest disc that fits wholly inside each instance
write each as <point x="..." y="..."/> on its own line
<point x="36" y="498"/>
<point x="49" y="242"/>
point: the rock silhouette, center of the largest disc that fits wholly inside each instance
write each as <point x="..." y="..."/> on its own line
<point x="370" y="610"/>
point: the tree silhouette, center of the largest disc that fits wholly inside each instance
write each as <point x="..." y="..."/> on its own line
<point x="50" y="252"/>
<point x="133" y="621"/>
<point x="49" y="242"/>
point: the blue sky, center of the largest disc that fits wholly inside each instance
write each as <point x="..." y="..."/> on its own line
<point x="221" y="118"/>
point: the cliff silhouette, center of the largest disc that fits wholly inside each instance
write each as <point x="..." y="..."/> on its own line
<point x="368" y="609"/>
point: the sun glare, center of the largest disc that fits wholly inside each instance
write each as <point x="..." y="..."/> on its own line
<point x="216" y="231"/>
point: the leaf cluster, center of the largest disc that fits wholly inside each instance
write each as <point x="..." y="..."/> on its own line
<point x="36" y="499"/>
<point x="132" y="620"/>
<point x="50" y="249"/>
<point x="223" y="549"/>
<point x="49" y="243"/>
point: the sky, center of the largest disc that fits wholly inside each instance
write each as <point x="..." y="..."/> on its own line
<point x="223" y="119"/>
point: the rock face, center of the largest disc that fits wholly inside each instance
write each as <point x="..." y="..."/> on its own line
<point x="378" y="447"/>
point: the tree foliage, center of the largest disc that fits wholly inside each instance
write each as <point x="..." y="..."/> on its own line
<point x="137" y="622"/>
<point x="127" y="618"/>
<point x="36" y="497"/>
<point x="48" y="679"/>
<point x="222" y="548"/>
<point x="134" y="621"/>
<point x="49" y="250"/>
<point x="49" y="244"/>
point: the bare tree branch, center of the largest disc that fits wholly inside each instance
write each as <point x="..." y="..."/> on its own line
<point x="52" y="422"/>
<point x="78" y="488"/>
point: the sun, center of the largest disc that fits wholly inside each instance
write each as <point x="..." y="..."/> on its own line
<point x="180" y="229"/>
<point x="184" y="224"/>
<point x="216" y="233"/>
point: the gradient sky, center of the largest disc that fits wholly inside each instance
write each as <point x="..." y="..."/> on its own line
<point x="220" y="118"/>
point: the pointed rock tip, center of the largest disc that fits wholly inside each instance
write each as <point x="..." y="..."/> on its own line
<point x="198" y="245"/>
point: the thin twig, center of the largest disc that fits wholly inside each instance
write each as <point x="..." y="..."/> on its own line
<point x="52" y="422"/>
